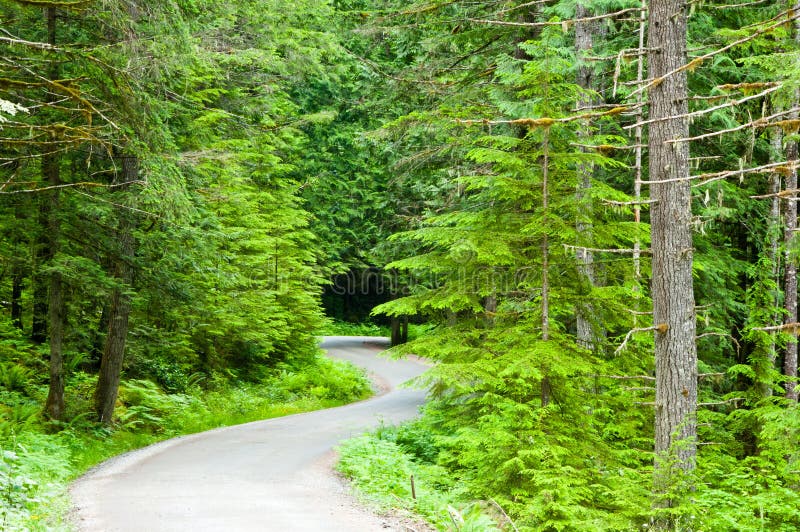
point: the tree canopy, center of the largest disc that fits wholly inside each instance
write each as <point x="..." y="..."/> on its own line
<point x="591" y="204"/>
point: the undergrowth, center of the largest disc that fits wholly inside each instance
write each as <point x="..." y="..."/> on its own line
<point x="38" y="459"/>
<point x="382" y="464"/>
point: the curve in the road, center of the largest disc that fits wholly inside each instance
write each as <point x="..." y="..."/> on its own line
<point x="269" y="475"/>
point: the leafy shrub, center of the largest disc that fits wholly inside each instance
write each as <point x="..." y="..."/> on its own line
<point x="33" y="469"/>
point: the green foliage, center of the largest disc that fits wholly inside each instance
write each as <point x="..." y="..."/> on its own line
<point x="36" y="463"/>
<point x="341" y="328"/>
<point x="381" y="468"/>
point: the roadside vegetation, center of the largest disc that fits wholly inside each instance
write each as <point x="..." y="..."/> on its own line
<point x="38" y="458"/>
<point x="394" y="469"/>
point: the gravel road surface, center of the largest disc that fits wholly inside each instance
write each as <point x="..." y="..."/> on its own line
<point x="272" y="475"/>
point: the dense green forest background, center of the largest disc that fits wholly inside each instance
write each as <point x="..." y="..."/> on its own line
<point x="190" y="191"/>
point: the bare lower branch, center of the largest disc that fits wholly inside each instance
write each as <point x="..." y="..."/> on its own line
<point x="546" y="121"/>
<point x="759" y="122"/>
<point x="782" y="194"/>
<point x="786" y="327"/>
<point x="626" y="377"/>
<point x="709" y="110"/>
<point x="30" y="44"/>
<point x="70" y="185"/>
<point x="725" y="402"/>
<point x="716" y="176"/>
<point x="624" y="203"/>
<point x="598" y="250"/>
<point x="567" y="22"/>
<point x="631" y="333"/>
<point x="694" y="63"/>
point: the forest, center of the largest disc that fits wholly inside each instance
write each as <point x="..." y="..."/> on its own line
<point x="585" y="212"/>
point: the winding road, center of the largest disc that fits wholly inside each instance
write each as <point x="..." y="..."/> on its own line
<point x="272" y="475"/>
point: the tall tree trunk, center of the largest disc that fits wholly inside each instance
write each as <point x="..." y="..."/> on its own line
<point x="584" y="31"/>
<point x="790" y="214"/>
<point x="51" y="163"/>
<point x="671" y="235"/>
<point x="764" y="369"/>
<point x="638" y="136"/>
<point x="547" y="388"/>
<point x="119" y="311"/>
<point x="790" y="279"/>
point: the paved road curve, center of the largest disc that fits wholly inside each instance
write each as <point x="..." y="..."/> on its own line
<point x="266" y="476"/>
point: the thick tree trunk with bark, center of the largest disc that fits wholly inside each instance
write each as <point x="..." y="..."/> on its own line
<point x="51" y="168"/>
<point x="671" y="216"/>
<point x="119" y="312"/>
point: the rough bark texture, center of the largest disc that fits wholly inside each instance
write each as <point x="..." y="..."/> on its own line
<point x="790" y="280"/>
<point x="55" y="396"/>
<point x="119" y="312"/>
<point x="671" y="215"/>
<point x="764" y="374"/>
<point x="583" y="44"/>
<point x="54" y="406"/>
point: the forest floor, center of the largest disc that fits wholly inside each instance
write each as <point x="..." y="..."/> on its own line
<point x="269" y="475"/>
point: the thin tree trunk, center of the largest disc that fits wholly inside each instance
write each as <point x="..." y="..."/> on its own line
<point x="672" y="285"/>
<point x="18" y="268"/>
<point x="119" y="311"/>
<point x="583" y="44"/>
<point x="16" y="295"/>
<point x="54" y="406"/>
<point x="790" y="280"/>
<point x="638" y="135"/>
<point x="763" y="379"/>
<point x="395" y="326"/>
<point x="546" y="391"/>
